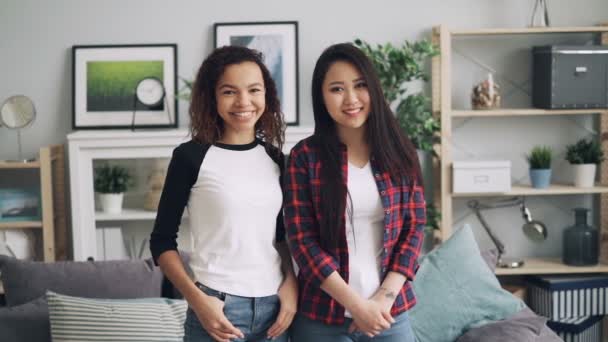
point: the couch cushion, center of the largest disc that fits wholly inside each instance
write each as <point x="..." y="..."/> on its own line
<point x="26" y="280"/>
<point x="86" y="319"/>
<point x="523" y="326"/>
<point x="26" y="322"/>
<point x="456" y="290"/>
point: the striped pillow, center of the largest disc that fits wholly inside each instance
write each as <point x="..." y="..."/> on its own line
<point x="86" y="319"/>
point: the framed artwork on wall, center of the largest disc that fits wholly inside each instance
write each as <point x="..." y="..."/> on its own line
<point x="107" y="88"/>
<point x="278" y="42"/>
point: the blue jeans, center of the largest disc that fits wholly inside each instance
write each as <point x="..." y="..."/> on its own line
<point x="307" y="330"/>
<point x="252" y="315"/>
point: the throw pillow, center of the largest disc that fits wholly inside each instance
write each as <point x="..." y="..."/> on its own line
<point x="456" y="290"/>
<point x="144" y="319"/>
<point x="523" y="326"/>
<point x="26" y="280"/>
<point x="27" y="322"/>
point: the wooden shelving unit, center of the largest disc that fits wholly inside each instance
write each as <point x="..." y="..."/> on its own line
<point x="550" y="266"/>
<point x="526" y="190"/>
<point x="53" y="224"/>
<point x="523" y="112"/>
<point x="442" y="107"/>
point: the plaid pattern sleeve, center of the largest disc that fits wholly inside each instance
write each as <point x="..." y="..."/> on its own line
<point x="407" y="249"/>
<point x="301" y="223"/>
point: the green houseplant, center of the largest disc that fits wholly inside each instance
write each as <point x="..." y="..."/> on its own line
<point x="111" y="181"/>
<point x="540" y="166"/>
<point x="584" y="155"/>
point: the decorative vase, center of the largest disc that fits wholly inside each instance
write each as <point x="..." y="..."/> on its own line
<point x="540" y="178"/>
<point x="580" y="241"/>
<point x="111" y="203"/>
<point x="584" y="175"/>
<point x="540" y="14"/>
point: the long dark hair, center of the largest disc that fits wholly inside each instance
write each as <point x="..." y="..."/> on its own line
<point x="393" y="152"/>
<point x="206" y="125"/>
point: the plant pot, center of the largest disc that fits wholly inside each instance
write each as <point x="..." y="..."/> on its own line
<point x="540" y="178"/>
<point x="584" y="175"/>
<point x="111" y="203"/>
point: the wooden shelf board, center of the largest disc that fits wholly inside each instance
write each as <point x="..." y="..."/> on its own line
<point x="527" y="190"/>
<point x="525" y="112"/>
<point x="528" y="30"/>
<point x="20" y="224"/>
<point x="19" y="165"/>
<point x="549" y="266"/>
<point x="127" y="214"/>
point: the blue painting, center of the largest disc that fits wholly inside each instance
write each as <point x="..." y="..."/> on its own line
<point x="271" y="47"/>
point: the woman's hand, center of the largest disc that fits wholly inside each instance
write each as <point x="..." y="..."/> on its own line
<point x="371" y="317"/>
<point x="288" y="295"/>
<point x="210" y="312"/>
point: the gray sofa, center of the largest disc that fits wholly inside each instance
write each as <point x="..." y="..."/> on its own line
<point x="26" y="317"/>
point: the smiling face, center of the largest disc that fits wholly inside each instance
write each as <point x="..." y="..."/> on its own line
<point x="346" y="96"/>
<point x="241" y="99"/>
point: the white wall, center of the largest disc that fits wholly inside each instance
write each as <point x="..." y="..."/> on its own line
<point x="36" y="39"/>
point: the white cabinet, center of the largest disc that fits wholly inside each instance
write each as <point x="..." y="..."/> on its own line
<point x="86" y="146"/>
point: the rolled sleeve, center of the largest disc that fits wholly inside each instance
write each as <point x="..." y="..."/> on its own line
<point x="407" y="249"/>
<point x="301" y="225"/>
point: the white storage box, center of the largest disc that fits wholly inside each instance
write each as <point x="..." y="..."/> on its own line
<point x="481" y="176"/>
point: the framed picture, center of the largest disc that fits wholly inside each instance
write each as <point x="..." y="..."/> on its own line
<point x="278" y="42"/>
<point x="105" y="78"/>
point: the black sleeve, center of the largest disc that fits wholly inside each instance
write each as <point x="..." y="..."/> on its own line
<point x="278" y="157"/>
<point x="181" y="175"/>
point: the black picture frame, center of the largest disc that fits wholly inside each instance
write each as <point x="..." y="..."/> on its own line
<point x="104" y="78"/>
<point x="282" y="60"/>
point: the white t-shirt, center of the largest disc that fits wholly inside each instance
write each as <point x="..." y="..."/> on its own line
<point x="364" y="231"/>
<point x="233" y="196"/>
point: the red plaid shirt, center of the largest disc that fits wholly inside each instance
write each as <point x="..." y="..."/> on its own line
<point x="405" y="217"/>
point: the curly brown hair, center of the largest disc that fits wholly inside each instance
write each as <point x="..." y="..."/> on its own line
<point x="206" y="125"/>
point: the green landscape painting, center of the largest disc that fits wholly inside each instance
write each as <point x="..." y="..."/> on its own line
<point x="111" y="85"/>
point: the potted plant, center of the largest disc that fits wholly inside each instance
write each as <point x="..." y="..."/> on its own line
<point x="111" y="182"/>
<point x="584" y="155"/>
<point x="540" y="166"/>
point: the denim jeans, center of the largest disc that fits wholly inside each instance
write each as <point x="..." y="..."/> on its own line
<point x="307" y="330"/>
<point x="252" y="315"/>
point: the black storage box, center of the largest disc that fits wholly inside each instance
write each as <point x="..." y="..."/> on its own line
<point x="570" y="77"/>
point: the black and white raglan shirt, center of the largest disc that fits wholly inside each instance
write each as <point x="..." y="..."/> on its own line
<point x="233" y="196"/>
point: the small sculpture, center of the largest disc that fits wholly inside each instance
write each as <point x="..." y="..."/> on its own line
<point x="486" y="94"/>
<point x="156" y="181"/>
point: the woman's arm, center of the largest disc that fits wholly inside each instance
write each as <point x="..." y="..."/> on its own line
<point x="407" y="249"/>
<point x="181" y="175"/>
<point x="301" y="225"/>
<point x="208" y="309"/>
<point x="288" y="294"/>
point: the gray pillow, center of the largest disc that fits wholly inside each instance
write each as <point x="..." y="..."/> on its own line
<point x="26" y="280"/>
<point x="524" y="326"/>
<point x="27" y="322"/>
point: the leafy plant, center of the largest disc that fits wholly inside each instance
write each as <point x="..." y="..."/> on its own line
<point x="433" y="217"/>
<point x="584" y="152"/>
<point x="396" y="66"/>
<point x="185" y="92"/>
<point x="540" y="158"/>
<point x="112" y="179"/>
